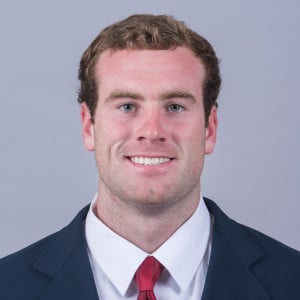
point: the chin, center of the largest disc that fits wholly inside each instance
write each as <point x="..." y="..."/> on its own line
<point x="149" y="198"/>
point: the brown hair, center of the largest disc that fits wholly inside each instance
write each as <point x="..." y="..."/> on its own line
<point x="158" y="32"/>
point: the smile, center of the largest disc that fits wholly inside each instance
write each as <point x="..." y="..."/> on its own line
<point x="149" y="161"/>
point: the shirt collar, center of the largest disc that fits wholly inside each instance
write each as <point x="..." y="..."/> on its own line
<point x="119" y="258"/>
<point x="184" y="251"/>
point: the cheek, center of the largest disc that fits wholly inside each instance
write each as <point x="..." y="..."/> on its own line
<point x="195" y="143"/>
<point x="192" y="137"/>
<point x="108" y="138"/>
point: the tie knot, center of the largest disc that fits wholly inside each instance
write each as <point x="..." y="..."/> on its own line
<point x="147" y="274"/>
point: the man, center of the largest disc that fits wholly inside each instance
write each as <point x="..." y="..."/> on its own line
<point x="148" y="95"/>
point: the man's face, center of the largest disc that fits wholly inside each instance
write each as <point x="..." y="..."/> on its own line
<point x="149" y="132"/>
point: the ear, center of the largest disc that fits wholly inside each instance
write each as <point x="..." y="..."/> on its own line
<point x="211" y="131"/>
<point x="87" y="127"/>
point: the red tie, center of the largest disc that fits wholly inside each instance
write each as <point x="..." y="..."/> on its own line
<point x="146" y="277"/>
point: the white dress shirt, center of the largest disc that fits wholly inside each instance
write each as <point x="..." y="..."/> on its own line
<point x="185" y="257"/>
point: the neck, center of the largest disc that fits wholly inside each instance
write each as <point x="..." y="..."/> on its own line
<point x="147" y="226"/>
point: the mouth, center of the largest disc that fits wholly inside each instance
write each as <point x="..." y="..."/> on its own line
<point x="149" y="161"/>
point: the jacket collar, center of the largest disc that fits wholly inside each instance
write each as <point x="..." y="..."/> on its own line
<point x="65" y="260"/>
<point x="233" y="253"/>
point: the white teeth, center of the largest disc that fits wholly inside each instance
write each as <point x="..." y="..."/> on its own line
<point x="149" y="160"/>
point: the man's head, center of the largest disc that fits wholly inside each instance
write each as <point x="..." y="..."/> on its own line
<point x="148" y="95"/>
<point x="150" y="32"/>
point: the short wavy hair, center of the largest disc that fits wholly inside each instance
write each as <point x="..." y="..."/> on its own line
<point x="154" y="32"/>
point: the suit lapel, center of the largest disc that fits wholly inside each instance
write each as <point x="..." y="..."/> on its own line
<point x="65" y="261"/>
<point x="233" y="253"/>
<point x="74" y="280"/>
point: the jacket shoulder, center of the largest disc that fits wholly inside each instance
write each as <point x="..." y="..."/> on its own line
<point x="275" y="265"/>
<point x="21" y="275"/>
<point x="18" y="276"/>
<point x="279" y="257"/>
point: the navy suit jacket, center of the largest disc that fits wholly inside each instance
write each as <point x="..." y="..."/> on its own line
<point x="244" y="264"/>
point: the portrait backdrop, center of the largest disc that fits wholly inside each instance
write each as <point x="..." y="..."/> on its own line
<point x="47" y="175"/>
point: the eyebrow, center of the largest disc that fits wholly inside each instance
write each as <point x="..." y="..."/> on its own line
<point x="177" y="94"/>
<point x="119" y="94"/>
<point x="166" y="95"/>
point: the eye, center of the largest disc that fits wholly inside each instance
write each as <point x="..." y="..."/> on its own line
<point x="127" y="107"/>
<point x="175" y="108"/>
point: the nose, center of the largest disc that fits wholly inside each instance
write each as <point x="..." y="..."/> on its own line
<point x="151" y="126"/>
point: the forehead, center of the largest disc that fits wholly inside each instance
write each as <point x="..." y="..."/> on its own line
<point x="180" y="61"/>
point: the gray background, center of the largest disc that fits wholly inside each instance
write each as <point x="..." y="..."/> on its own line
<point x="47" y="176"/>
